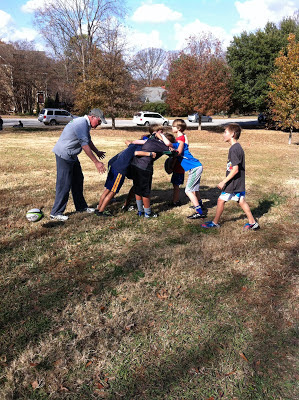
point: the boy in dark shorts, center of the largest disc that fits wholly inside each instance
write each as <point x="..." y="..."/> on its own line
<point x="178" y="175"/>
<point x="142" y="171"/>
<point x="233" y="185"/>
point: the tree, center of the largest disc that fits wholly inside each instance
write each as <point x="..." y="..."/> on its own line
<point x="149" y="65"/>
<point x="284" y="83"/>
<point x="251" y="58"/>
<point x="75" y="27"/>
<point x="199" y="78"/>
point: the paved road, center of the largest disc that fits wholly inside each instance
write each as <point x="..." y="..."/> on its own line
<point x="123" y="123"/>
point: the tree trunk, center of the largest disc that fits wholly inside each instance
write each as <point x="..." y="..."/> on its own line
<point x="113" y="122"/>
<point x="290" y="135"/>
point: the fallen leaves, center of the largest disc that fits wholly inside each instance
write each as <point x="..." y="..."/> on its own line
<point x="242" y="355"/>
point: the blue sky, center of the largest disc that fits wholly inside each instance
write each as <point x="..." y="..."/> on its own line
<point x="163" y="23"/>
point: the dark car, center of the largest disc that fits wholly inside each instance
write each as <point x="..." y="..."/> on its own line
<point x="195" y="118"/>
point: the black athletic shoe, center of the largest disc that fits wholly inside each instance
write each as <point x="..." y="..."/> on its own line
<point x="105" y="213"/>
<point x="196" y="216"/>
<point x="176" y="204"/>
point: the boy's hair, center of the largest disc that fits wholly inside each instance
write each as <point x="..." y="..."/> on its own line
<point x="155" y="128"/>
<point x="180" y="124"/>
<point x="170" y="137"/>
<point x="235" y="129"/>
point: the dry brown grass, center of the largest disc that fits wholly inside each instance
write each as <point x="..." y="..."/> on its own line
<point x="131" y="309"/>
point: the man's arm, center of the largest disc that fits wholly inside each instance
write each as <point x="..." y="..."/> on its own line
<point x="232" y="173"/>
<point x="99" y="165"/>
<point x="100" y="154"/>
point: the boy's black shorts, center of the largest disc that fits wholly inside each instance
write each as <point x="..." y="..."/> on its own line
<point x="142" y="180"/>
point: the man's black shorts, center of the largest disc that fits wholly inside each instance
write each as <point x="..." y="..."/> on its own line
<point x="142" y="180"/>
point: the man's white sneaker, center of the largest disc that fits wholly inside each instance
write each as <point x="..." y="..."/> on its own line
<point x="59" y="217"/>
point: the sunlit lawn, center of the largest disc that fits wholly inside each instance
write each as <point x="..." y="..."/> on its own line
<point x="124" y="308"/>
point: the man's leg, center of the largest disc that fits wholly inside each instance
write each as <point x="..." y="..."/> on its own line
<point x="77" y="187"/>
<point x="63" y="185"/>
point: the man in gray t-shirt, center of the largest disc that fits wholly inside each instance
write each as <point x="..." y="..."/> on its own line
<point x="74" y="138"/>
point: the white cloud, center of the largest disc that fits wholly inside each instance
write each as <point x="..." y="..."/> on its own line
<point x="32" y="5"/>
<point x="182" y="33"/>
<point x="155" y="13"/>
<point x="254" y="14"/>
<point x="9" y="31"/>
<point x="138" y="40"/>
<point x="5" y="20"/>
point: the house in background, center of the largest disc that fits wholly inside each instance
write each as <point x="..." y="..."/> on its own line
<point x="153" y="94"/>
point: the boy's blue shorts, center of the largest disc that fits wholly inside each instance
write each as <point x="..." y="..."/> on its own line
<point x="114" y="180"/>
<point x="177" y="178"/>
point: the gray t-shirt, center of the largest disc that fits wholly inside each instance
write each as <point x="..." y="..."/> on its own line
<point x="236" y="156"/>
<point x="75" y="135"/>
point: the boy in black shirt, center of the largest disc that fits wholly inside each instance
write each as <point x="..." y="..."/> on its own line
<point x="233" y="185"/>
<point x="142" y="171"/>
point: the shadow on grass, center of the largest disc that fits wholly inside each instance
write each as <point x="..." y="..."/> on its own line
<point x="258" y="356"/>
<point x="31" y="308"/>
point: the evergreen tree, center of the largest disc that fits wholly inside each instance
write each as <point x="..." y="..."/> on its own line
<point x="251" y="57"/>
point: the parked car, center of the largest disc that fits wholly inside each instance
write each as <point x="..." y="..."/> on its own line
<point x="54" y="116"/>
<point x="261" y="118"/>
<point x="195" y="118"/>
<point x="147" y="118"/>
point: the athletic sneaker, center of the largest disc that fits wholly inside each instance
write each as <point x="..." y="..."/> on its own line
<point x="176" y="204"/>
<point x="196" y="216"/>
<point x="140" y="213"/>
<point x="252" y="227"/>
<point x="105" y="213"/>
<point x="88" y="210"/>
<point x="59" y="217"/>
<point x="210" y="224"/>
<point x="128" y="208"/>
<point x="152" y="215"/>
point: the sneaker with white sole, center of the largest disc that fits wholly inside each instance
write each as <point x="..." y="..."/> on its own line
<point x="210" y="224"/>
<point x="88" y="210"/>
<point x="251" y="227"/>
<point x="152" y="215"/>
<point x="59" y="217"/>
<point x="197" y="216"/>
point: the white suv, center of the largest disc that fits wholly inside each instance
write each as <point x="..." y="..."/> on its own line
<point x="147" y="118"/>
<point x="54" y="116"/>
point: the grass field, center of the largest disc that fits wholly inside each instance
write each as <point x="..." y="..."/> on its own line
<point x="125" y="308"/>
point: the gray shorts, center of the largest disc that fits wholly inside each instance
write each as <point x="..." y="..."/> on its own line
<point x="193" y="181"/>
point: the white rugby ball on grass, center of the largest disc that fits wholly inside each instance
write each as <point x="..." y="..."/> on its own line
<point x="34" y="215"/>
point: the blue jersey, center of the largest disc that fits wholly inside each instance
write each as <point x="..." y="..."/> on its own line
<point x="121" y="161"/>
<point x="186" y="159"/>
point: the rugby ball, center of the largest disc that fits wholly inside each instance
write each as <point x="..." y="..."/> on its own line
<point x="34" y="215"/>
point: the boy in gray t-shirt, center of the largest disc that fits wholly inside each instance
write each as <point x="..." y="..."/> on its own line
<point x="233" y="186"/>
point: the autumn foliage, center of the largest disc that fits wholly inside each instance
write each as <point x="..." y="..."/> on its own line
<point x="199" y="79"/>
<point x="284" y="83"/>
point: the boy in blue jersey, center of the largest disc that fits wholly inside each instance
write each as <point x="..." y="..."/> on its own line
<point x="189" y="164"/>
<point x="117" y="171"/>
